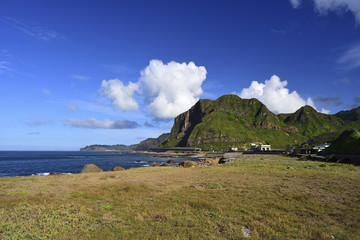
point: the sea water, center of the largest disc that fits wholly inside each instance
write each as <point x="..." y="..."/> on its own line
<point x="31" y="163"/>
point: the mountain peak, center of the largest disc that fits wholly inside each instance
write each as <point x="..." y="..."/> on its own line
<point x="302" y="115"/>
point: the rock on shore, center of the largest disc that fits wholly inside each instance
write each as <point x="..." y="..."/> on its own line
<point x="187" y="164"/>
<point x="118" y="168"/>
<point x="91" y="168"/>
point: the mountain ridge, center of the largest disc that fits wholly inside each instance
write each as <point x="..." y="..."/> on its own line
<point x="231" y="120"/>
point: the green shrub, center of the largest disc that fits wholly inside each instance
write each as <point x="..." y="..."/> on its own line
<point x="344" y="160"/>
<point x="330" y="158"/>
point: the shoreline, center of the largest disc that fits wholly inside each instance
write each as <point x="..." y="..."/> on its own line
<point x="198" y="159"/>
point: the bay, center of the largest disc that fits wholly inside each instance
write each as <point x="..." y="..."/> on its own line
<point x="30" y="163"/>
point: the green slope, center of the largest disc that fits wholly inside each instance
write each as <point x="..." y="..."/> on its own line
<point x="352" y="117"/>
<point x="347" y="143"/>
<point x="230" y="120"/>
<point x="311" y="123"/>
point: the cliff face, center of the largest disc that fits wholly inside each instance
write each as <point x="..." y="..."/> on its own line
<point x="230" y="120"/>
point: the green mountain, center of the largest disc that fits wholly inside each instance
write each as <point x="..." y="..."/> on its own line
<point x="347" y="143"/>
<point x="142" y="146"/>
<point x="150" y="143"/>
<point x="230" y="120"/>
<point x="352" y="116"/>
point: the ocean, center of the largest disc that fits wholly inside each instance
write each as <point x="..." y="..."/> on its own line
<point x="42" y="163"/>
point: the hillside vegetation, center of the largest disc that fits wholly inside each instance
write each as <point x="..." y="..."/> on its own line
<point x="264" y="197"/>
<point x="347" y="143"/>
<point x="230" y="120"/>
<point x="352" y="116"/>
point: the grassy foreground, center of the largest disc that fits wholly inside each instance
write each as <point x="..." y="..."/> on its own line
<point x="272" y="197"/>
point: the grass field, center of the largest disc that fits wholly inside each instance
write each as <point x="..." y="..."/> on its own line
<point x="263" y="196"/>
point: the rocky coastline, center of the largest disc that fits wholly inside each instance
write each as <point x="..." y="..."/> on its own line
<point x="205" y="160"/>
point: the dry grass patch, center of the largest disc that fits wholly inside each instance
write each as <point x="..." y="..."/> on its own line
<point x="270" y="196"/>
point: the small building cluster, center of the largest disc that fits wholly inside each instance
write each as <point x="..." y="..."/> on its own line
<point x="234" y="149"/>
<point x="260" y="147"/>
<point x="320" y="147"/>
<point x="310" y="150"/>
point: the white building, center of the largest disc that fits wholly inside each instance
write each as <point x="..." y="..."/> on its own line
<point x="264" y="147"/>
<point x="253" y="146"/>
<point x="234" y="149"/>
<point x="319" y="148"/>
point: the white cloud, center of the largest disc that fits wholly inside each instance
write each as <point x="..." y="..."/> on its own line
<point x="350" y="59"/>
<point x="93" y="123"/>
<point x="323" y="6"/>
<point x="122" y="96"/>
<point x="275" y="95"/>
<point x="170" y="89"/>
<point x="323" y="110"/>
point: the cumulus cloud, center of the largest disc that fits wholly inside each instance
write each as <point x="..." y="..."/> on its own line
<point x="93" y="123"/>
<point x="274" y="94"/>
<point x="324" y="6"/>
<point x="170" y="89"/>
<point x="325" y="111"/>
<point x="122" y="96"/>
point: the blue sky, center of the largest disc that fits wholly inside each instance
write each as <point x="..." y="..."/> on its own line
<point x="75" y="73"/>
